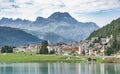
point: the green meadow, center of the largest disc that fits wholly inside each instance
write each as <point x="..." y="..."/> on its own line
<point x="33" y="57"/>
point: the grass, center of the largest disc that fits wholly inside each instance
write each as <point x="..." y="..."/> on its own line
<point x="21" y="57"/>
<point x="111" y="60"/>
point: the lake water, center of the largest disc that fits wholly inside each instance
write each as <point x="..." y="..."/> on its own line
<point x="59" y="68"/>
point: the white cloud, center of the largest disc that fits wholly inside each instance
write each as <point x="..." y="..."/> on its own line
<point x="90" y="5"/>
<point x="22" y="1"/>
<point x="30" y="9"/>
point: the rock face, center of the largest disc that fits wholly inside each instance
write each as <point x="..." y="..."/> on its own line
<point x="61" y="26"/>
<point x="16" y="37"/>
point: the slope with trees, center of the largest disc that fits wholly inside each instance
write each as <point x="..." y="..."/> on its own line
<point x="111" y="29"/>
<point x="15" y="37"/>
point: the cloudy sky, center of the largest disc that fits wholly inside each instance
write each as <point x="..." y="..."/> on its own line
<point x="101" y="12"/>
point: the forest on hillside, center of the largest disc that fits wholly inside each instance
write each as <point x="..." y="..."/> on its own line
<point x="110" y="29"/>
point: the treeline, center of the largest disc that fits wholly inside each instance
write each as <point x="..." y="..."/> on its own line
<point x="7" y="49"/>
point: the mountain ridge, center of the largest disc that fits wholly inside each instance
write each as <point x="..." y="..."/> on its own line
<point x="60" y="23"/>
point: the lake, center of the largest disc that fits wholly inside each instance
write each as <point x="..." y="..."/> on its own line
<point x="59" y="68"/>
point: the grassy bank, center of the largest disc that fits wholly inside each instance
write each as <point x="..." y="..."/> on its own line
<point x="33" y="57"/>
<point x="111" y="60"/>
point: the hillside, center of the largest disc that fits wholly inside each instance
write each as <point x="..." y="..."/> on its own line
<point x="15" y="37"/>
<point x="61" y="25"/>
<point x="111" y="29"/>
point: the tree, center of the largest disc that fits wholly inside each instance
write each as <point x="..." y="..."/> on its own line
<point x="7" y="49"/>
<point x="83" y="52"/>
<point x="52" y="51"/>
<point x="109" y="51"/>
<point x="44" y="49"/>
<point x="116" y="45"/>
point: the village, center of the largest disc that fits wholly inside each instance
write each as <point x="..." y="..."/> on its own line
<point x="91" y="47"/>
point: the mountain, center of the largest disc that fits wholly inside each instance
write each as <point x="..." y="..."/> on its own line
<point x="64" y="17"/>
<point x="53" y="37"/>
<point x="16" y="37"/>
<point x="59" y="24"/>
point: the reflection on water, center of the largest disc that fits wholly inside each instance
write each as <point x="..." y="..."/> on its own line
<point x="58" y="68"/>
